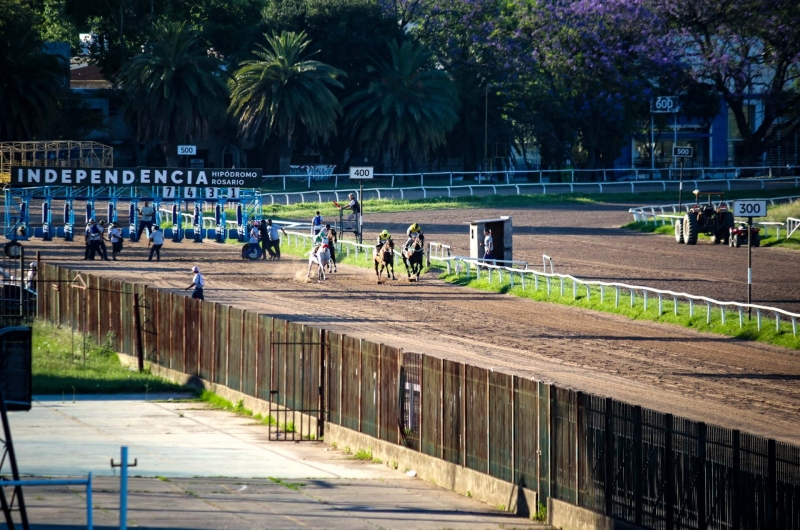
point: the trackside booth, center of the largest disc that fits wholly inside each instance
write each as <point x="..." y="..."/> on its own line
<point x="502" y="232"/>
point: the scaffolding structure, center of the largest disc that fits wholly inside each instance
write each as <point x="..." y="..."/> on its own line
<point x="57" y="153"/>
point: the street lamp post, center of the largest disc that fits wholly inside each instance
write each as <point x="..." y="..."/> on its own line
<point x="486" y="125"/>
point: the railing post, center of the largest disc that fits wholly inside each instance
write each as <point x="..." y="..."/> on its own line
<point x="708" y="312"/>
<point x="616" y="297"/>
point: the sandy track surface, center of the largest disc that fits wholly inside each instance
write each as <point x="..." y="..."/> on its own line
<point x="749" y="386"/>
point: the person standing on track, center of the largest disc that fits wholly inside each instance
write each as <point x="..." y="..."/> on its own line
<point x="157" y="239"/>
<point x="198" y="284"/>
<point x="93" y="236"/>
<point x="115" y="236"/>
<point x="30" y="280"/>
<point x="146" y="221"/>
<point x="274" y="247"/>
<point x="263" y="230"/>
<point x="102" y="243"/>
<point x="255" y="235"/>
<point x="88" y="239"/>
<point x="330" y="233"/>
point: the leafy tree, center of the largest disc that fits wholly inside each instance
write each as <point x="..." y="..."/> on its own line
<point x="409" y="107"/>
<point x="175" y="91"/>
<point x="284" y="92"/>
<point x="748" y="52"/>
<point x="31" y="83"/>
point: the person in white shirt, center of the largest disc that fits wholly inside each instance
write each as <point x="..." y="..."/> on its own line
<point x="101" y="227"/>
<point x="115" y="236"/>
<point x="198" y="283"/>
<point x="146" y="220"/>
<point x="30" y="280"/>
<point x="255" y="234"/>
<point x="157" y="239"/>
<point x="488" y="244"/>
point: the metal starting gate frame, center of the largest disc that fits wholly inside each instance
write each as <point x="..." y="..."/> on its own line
<point x="18" y="213"/>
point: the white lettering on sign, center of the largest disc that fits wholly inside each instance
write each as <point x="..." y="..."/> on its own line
<point x="749" y="208"/>
<point x="361" y="173"/>
<point x="24" y="177"/>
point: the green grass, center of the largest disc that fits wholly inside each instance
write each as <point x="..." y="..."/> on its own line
<point x="58" y="368"/>
<point x="697" y="321"/>
<point x="363" y="454"/>
<point x="294" y="486"/>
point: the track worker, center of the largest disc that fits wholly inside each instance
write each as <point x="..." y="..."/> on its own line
<point x="331" y="235"/>
<point x="413" y="231"/>
<point x="263" y="230"/>
<point x="30" y="279"/>
<point x="355" y="207"/>
<point x="93" y="235"/>
<point x="274" y="247"/>
<point x="383" y="237"/>
<point x="115" y="236"/>
<point x="103" y="249"/>
<point x="198" y="284"/>
<point x="488" y="244"/>
<point x="157" y="239"/>
<point x="147" y="212"/>
<point x="255" y="235"/>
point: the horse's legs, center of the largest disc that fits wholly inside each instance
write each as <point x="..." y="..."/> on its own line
<point x="405" y="262"/>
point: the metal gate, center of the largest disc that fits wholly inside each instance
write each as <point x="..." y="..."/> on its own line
<point x="18" y="303"/>
<point x="298" y="357"/>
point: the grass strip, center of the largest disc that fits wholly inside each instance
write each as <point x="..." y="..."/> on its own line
<point x="61" y="365"/>
<point x="608" y="302"/>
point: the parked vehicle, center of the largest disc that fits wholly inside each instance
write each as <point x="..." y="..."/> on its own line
<point x="739" y="235"/>
<point x="705" y="219"/>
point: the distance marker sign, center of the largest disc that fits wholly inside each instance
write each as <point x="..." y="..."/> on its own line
<point x="749" y="208"/>
<point x="361" y="173"/>
<point x="682" y="152"/>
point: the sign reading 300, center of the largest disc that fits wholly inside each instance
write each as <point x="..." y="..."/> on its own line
<point x="30" y="177"/>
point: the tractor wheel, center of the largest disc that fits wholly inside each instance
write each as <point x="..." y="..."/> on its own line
<point x="679" y="231"/>
<point x="736" y="240"/>
<point x="690" y="229"/>
<point x="727" y="221"/>
<point x="756" y="240"/>
<point x="716" y="239"/>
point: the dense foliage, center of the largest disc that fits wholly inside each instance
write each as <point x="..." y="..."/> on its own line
<point x="573" y="77"/>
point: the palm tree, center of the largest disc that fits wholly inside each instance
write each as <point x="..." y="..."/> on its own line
<point x="284" y="91"/>
<point x="407" y="109"/>
<point x="175" y="90"/>
<point x="31" y="84"/>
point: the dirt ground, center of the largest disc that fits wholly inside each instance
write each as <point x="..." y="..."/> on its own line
<point x="749" y="386"/>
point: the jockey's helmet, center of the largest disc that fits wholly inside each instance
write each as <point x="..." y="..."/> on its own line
<point x="415" y="227"/>
<point x="385" y="235"/>
<point x="328" y="226"/>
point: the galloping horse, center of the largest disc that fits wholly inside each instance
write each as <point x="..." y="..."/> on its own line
<point x="321" y="258"/>
<point x="385" y="258"/>
<point x="413" y="256"/>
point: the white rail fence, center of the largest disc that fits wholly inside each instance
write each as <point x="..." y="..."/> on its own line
<point x="462" y="190"/>
<point x="528" y="278"/>
<point x="792" y="224"/>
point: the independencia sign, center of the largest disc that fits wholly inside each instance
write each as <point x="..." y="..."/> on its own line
<point x="28" y="177"/>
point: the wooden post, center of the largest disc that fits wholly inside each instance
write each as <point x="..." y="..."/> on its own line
<point x="702" y="522"/>
<point x="637" y="463"/>
<point x="514" y="433"/>
<point x="323" y="387"/>
<point x="488" y="423"/>
<point x="736" y="496"/>
<point x="241" y="354"/>
<point x="441" y="408"/>
<point x="137" y="324"/>
<point x="257" y="368"/>
<point x="360" y="379"/>
<point x="772" y="483"/>
<point x="608" y="482"/>
<point x="340" y="364"/>
<point x="580" y="429"/>
<point x="378" y="388"/>
<point x="185" y="301"/>
<point x="669" y="473"/>
<point x="463" y="384"/>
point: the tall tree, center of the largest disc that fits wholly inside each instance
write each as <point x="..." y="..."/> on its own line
<point x="31" y="83"/>
<point x="748" y="51"/>
<point x="174" y="91"/>
<point x="285" y="93"/>
<point x="409" y="106"/>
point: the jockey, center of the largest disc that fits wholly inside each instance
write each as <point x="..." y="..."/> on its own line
<point x="413" y="231"/>
<point x="383" y="237"/>
<point x="331" y="235"/>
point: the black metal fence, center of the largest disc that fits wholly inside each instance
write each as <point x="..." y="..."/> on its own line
<point x="637" y="465"/>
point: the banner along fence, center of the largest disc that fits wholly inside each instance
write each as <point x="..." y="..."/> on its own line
<point x="633" y="464"/>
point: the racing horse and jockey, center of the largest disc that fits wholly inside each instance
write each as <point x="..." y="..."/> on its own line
<point x="321" y="256"/>
<point x="383" y="255"/>
<point x="413" y="255"/>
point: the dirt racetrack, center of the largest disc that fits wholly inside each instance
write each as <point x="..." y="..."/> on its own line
<point x="749" y="386"/>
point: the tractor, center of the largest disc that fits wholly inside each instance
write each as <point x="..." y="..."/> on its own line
<point x="739" y="236"/>
<point x="705" y="219"/>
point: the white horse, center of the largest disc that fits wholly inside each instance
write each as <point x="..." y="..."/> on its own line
<point x="321" y="258"/>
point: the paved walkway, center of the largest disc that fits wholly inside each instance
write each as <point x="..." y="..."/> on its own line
<point x="200" y="468"/>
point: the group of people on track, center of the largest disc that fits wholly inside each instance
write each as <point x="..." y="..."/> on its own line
<point x="268" y="235"/>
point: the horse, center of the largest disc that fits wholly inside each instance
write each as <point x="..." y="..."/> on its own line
<point x="321" y="258"/>
<point x="413" y="256"/>
<point x="385" y="258"/>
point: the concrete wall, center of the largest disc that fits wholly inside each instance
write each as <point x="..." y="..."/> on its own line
<point x="565" y="516"/>
<point x="498" y="493"/>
